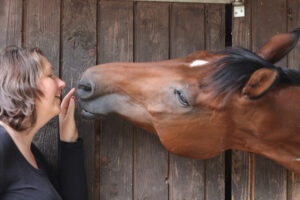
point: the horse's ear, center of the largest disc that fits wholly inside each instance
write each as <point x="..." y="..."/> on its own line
<point x="279" y="45"/>
<point x="260" y="82"/>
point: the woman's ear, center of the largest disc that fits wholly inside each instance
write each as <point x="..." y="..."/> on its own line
<point x="260" y="82"/>
<point x="279" y="45"/>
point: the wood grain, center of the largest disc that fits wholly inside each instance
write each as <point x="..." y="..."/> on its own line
<point x="10" y="23"/>
<point x="116" y="147"/>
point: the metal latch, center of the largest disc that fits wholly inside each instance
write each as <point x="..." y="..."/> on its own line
<point x="238" y="8"/>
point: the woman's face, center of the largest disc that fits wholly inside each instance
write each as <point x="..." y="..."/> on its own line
<point x="48" y="105"/>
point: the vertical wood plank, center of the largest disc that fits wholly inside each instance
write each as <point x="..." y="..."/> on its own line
<point x="187" y="34"/>
<point x="294" y="22"/>
<point x="187" y="31"/>
<point x="215" y="26"/>
<point x="241" y="181"/>
<point x="294" y="63"/>
<point x="116" y="147"/>
<point x="42" y="30"/>
<point x="215" y="39"/>
<point x="79" y="52"/>
<point x="269" y="18"/>
<point x="10" y="23"/>
<point x="151" y="159"/>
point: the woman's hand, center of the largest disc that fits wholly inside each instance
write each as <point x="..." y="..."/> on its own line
<point x="67" y="127"/>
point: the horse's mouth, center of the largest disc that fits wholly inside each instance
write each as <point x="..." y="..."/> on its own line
<point x="90" y="115"/>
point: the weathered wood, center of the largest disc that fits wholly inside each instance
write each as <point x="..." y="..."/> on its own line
<point x="187" y="34"/>
<point x="42" y="30"/>
<point x="215" y="39"/>
<point x="116" y="147"/>
<point x="10" y="23"/>
<point x="79" y="52"/>
<point x="241" y="174"/>
<point x="294" y="63"/>
<point x="151" y="159"/>
<point x="269" y="17"/>
<point x="187" y="29"/>
<point x="294" y="22"/>
<point x="215" y="26"/>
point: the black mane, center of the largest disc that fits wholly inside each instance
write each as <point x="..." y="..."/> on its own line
<point x="234" y="70"/>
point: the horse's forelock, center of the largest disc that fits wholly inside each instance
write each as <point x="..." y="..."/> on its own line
<point x="232" y="72"/>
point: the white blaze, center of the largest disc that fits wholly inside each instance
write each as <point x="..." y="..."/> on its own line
<point x="197" y="63"/>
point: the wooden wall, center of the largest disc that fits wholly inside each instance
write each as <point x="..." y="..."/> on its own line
<point x="122" y="161"/>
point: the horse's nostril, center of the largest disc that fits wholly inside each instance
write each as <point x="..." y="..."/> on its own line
<point x="85" y="90"/>
<point x="86" y="87"/>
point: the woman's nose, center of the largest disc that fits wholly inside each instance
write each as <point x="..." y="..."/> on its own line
<point x="61" y="83"/>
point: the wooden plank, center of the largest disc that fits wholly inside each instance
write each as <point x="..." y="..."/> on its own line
<point x="294" y="22"/>
<point x="151" y="159"/>
<point x="42" y="30"/>
<point x="294" y="63"/>
<point x="241" y="173"/>
<point x="79" y="52"/>
<point x="116" y="147"/>
<point x="187" y="34"/>
<point x="10" y="23"/>
<point x="215" y="39"/>
<point x="187" y="29"/>
<point x="269" y="17"/>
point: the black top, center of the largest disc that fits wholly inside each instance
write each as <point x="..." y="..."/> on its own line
<point x="19" y="180"/>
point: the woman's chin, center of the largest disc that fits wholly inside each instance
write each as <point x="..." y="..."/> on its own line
<point x="57" y="111"/>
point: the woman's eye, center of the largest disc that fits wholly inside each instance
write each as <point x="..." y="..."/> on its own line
<point x="181" y="97"/>
<point x="51" y="75"/>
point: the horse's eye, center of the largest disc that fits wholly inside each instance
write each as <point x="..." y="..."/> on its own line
<point x="181" y="97"/>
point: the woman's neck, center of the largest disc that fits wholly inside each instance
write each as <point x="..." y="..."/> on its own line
<point x="23" y="141"/>
<point x="21" y="138"/>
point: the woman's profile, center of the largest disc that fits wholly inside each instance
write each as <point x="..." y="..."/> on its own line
<point x="30" y="95"/>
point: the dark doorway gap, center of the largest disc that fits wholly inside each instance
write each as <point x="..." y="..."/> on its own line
<point x="228" y="154"/>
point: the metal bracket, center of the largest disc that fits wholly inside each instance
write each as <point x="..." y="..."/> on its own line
<point x="238" y="8"/>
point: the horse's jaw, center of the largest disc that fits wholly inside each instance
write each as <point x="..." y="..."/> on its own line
<point x="98" y="107"/>
<point x="120" y="105"/>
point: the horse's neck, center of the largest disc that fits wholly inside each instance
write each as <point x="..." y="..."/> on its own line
<point x="271" y="127"/>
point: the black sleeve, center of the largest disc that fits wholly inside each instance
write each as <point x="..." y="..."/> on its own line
<point x="1" y="169"/>
<point x="71" y="172"/>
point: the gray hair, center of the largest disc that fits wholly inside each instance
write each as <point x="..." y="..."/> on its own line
<point x="20" y="71"/>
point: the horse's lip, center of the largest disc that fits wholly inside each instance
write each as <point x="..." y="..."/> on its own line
<point x="90" y="115"/>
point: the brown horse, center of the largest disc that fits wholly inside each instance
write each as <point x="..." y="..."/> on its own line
<point x="207" y="102"/>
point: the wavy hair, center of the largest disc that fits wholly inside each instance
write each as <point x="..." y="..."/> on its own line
<point x="20" y="71"/>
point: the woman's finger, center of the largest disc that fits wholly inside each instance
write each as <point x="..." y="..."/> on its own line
<point x="66" y="101"/>
<point x="71" y="108"/>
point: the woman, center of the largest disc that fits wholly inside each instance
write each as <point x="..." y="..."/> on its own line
<point x="30" y="96"/>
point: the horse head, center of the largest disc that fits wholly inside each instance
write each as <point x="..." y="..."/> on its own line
<point x="206" y="102"/>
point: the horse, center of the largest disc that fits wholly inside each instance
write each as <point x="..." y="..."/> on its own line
<point x="207" y="102"/>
